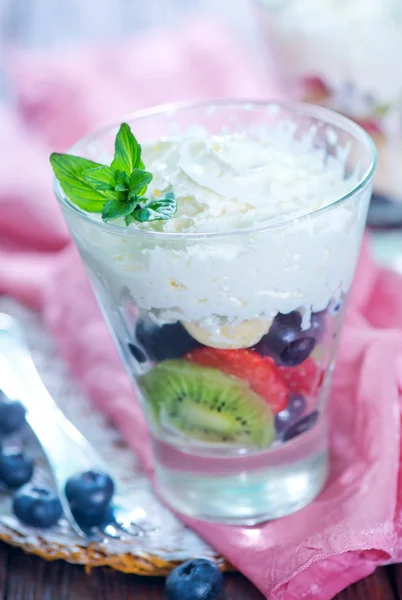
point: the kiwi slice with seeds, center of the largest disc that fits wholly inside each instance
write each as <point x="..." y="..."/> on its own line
<point x="207" y="405"/>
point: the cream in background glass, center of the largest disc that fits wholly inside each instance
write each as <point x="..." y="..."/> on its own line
<point x="227" y="316"/>
<point x="345" y="55"/>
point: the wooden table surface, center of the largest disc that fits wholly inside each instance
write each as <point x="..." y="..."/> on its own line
<point x="25" y="577"/>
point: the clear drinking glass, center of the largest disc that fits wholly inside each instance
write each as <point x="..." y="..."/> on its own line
<point x="239" y="435"/>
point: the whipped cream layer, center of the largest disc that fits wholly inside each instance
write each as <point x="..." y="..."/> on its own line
<point x="226" y="184"/>
<point x="229" y="182"/>
<point x="344" y="41"/>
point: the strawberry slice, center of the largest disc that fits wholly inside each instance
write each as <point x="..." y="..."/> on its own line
<point x="260" y="372"/>
<point x="304" y="379"/>
<point x="315" y="90"/>
<point x="372" y="126"/>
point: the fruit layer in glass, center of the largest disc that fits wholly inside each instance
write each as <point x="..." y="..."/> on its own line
<point x="230" y="337"/>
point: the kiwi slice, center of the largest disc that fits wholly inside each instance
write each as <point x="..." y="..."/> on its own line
<point x="207" y="405"/>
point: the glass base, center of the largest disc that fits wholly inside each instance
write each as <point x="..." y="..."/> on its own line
<point x="244" y="490"/>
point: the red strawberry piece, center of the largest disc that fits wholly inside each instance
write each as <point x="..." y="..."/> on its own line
<point x="370" y="125"/>
<point x="260" y="372"/>
<point x="315" y="90"/>
<point x="304" y="379"/>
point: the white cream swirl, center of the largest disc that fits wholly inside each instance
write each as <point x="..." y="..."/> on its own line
<point x="233" y="181"/>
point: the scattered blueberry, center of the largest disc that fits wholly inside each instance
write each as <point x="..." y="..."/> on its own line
<point x="15" y="468"/>
<point x="166" y="342"/>
<point x="137" y="353"/>
<point x="12" y="415"/>
<point x="294" y="410"/>
<point x="37" y="506"/>
<point x="197" y="579"/>
<point x="91" y="518"/>
<point x="89" y="492"/>
<point x="301" y="426"/>
<point x="286" y="342"/>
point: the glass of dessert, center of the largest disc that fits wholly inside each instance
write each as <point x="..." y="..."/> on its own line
<point x="221" y="251"/>
<point x="345" y="55"/>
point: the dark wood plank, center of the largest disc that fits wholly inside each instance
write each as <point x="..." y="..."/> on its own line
<point x="30" y="578"/>
<point x="377" y="586"/>
<point x="397" y="578"/>
<point x="238" y="587"/>
<point x="25" y="577"/>
<point x="3" y="568"/>
<point x="120" y="587"/>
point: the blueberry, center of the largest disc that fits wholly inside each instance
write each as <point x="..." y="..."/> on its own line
<point x="294" y="410"/>
<point x="91" y="518"/>
<point x="137" y="353"/>
<point x="336" y="307"/>
<point x="37" y="506"/>
<point x="15" y="468"/>
<point x="197" y="579"/>
<point x="297" y="352"/>
<point x="301" y="426"/>
<point x="89" y="492"/>
<point x="317" y="326"/>
<point x="285" y="342"/>
<point x="165" y="342"/>
<point x="12" y="415"/>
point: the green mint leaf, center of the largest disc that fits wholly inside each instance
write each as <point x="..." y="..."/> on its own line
<point x="102" y="179"/>
<point x="139" y="181"/>
<point x="129" y="219"/>
<point x="122" y="182"/>
<point x="69" y="171"/>
<point x="115" y="191"/>
<point x="114" y="209"/>
<point x="112" y="183"/>
<point x="156" y="208"/>
<point x="127" y="151"/>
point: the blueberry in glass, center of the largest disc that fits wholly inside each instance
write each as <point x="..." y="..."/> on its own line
<point x="137" y="353"/>
<point x="166" y="342"/>
<point x="286" y="342"/>
<point x="288" y="416"/>
<point x="16" y="469"/>
<point x="301" y="426"/>
<point x="90" y="492"/>
<point x="317" y="325"/>
<point x="336" y="307"/>
<point x="37" y="506"/>
<point x="12" y="415"/>
<point x="297" y="352"/>
<point x="197" y="579"/>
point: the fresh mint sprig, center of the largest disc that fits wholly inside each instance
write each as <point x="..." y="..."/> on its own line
<point x="116" y="190"/>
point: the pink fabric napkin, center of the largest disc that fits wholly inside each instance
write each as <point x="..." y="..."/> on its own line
<point x="356" y="523"/>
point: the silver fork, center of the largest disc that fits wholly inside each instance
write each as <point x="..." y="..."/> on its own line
<point x="67" y="450"/>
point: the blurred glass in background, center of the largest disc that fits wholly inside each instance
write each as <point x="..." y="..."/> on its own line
<point x="346" y="55"/>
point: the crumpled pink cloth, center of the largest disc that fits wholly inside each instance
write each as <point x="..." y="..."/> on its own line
<point x="356" y="523"/>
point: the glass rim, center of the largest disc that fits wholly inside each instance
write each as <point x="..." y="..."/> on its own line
<point x="302" y="108"/>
